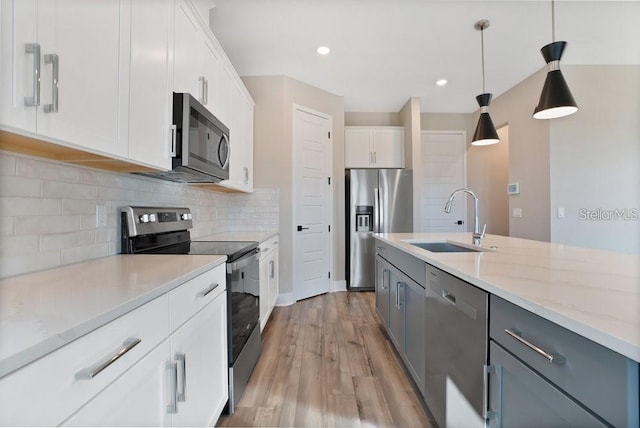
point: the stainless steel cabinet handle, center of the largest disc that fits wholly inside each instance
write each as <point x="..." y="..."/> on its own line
<point x="208" y="290"/>
<point x="384" y="276"/>
<point x="398" y="286"/>
<point x="272" y="266"/>
<point x="246" y="175"/>
<point x="174" y="135"/>
<point x="206" y="92"/>
<point x="91" y="372"/>
<point x="489" y="413"/>
<point x="201" y="79"/>
<point x="172" y="382"/>
<point x="375" y="157"/>
<point x="181" y="377"/>
<point x="34" y="48"/>
<point x="55" y="63"/>
<point x="552" y="357"/>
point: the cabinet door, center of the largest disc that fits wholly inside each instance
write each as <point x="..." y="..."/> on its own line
<point x="225" y="90"/>
<point x="397" y="287"/>
<point x="415" y="339"/>
<point x="357" y="148"/>
<point x="274" y="284"/>
<point x="138" y="398"/>
<point x="18" y="26"/>
<point x="264" y="291"/>
<point x="241" y="145"/>
<point x="209" y="70"/>
<point x="388" y="148"/>
<point x="200" y="349"/>
<point x="383" y="276"/>
<point x="519" y="397"/>
<point x="150" y="101"/>
<point x="186" y="46"/>
<point x="92" y="53"/>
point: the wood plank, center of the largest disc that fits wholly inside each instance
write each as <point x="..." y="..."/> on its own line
<point x="372" y="406"/>
<point x="311" y="403"/>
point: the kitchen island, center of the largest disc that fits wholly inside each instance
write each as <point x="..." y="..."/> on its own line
<point x="518" y="331"/>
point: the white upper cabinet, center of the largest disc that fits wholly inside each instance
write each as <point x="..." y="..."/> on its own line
<point x="76" y="48"/>
<point x="186" y="47"/>
<point x="150" y="99"/>
<point x="374" y="147"/>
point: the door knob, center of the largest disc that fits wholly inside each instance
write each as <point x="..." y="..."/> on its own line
<point x="300" y="228"/>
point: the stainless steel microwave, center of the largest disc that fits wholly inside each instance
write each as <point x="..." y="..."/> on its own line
<point x="200" y="147"/>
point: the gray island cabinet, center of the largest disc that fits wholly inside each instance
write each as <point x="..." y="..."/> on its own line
<point x="480" y="360"/>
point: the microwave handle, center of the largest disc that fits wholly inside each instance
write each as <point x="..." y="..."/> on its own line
<point x="226" y="142"/>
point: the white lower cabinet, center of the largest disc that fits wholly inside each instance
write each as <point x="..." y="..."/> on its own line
<point x="142" y="369"/>
<point x="269" y="285"/>
<point x="199" y="350"/>
<point x="134" y="399"/>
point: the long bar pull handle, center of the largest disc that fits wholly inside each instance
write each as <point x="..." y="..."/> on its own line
<point x="492" y="393"/>
<point x="272" y="269"/>
<point x="376" y="210"/>
<point x="384" y="278"/>
<point x="552" y="357"/>
<point x="206" y="92"/>
<point x="34" y="48"/>
<point x="202" y="81"/>
<point x="55" y="63"/>
<point x="208" y="290"/>
<point x="172" y="382"/>
<point x="93" y="371"/>
<point x="181" y="377"/>
<point x="174" y="136"/>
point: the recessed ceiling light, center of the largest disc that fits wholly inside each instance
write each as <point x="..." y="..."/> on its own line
<point x="323" y="50"/>
<point x="441" y="82"/>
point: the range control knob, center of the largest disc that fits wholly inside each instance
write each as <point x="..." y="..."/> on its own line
<point x="144" y="218"/>
<point x="185" y="216"/>
<point x="153" y="218"/>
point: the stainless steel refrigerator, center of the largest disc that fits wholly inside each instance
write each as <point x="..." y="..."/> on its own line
<point x="377" y="200"/>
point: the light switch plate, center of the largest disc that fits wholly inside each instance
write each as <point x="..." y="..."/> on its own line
<point x="517" y="212"/>
<point x="560" y="212"/>
<point x="101" y="216"/>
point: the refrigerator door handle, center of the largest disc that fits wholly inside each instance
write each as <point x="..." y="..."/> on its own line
<point x="376" y="209"/>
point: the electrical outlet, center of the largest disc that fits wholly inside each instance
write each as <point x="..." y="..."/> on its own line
<point x="517" y="212"/>
<point x="560" y="212"/>
<point x="101" y="216"/>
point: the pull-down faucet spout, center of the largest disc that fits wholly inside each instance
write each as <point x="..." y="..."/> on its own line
<point x="477" y="236"/>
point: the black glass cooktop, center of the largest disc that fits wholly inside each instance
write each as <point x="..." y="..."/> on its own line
<point x="232" y="249"/>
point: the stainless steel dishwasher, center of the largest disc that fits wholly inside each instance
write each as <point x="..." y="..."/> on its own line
<point x="456" y="350"/>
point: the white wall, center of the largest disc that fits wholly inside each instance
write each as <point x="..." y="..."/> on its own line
<point x="47" y="211"/>
<point x="595" y="158"/>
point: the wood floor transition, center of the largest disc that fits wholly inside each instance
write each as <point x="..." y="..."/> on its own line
<point x="326" y="362"/>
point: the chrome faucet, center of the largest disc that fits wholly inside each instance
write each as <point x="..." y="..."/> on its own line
<point x="477" y="236"/>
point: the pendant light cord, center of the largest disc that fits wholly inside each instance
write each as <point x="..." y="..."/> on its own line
<point x="553" y="22"/>
<point x="482" y="48"/>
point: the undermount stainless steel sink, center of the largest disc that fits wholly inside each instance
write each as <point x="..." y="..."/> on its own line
<point x="445" y="247"/>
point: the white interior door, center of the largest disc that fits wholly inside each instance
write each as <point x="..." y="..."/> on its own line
<point x="311" y="203"/>
<point x="442" y="171"/>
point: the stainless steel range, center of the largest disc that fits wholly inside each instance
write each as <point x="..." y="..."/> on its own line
<point x="149" y="230"/>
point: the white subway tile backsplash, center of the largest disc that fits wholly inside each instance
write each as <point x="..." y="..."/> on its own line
<point x="45" y="170"/>
<point x="18" y="245"/>
<point x="20" y="186"/>
<point x="7" y="226"/>
<point x="58" y="189"/>
<point x="89" y="252"/>
<point x="48" y="211"/>
<point x="15" y="206"/>
<point x="42" y="225"/>
<point x="15" y="265"/>
<point x="56" y="241"/>
<point x="7" y="165"/>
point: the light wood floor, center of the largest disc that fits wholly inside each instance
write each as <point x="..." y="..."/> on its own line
<point x="326" y="362"/>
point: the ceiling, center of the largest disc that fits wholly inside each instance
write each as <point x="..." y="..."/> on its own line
<point x="385" y="51"/>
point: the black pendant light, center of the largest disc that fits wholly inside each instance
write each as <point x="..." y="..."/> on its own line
<point x="556" y="99"/>
<point x="485" y="130"/>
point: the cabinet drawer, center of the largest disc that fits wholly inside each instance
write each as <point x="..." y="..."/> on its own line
<point x="601" y="379"/>
<point x="47" y="391"/>
<point x="193" y="295"/>
<point x="412" y="266"/>
<point x="268" y="246"/>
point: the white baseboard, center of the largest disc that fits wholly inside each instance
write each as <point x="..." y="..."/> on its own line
<point x="340" y="285"/>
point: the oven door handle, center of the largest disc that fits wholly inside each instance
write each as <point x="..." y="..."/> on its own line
<point x="244" y="261"/>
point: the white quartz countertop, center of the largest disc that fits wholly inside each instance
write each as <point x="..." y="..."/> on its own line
<point x="260" y="237"/>
<point x="43" y="311"/>
<point x="591" y="292"/>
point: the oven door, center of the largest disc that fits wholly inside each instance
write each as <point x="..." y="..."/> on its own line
<point x="243" y="295"/>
